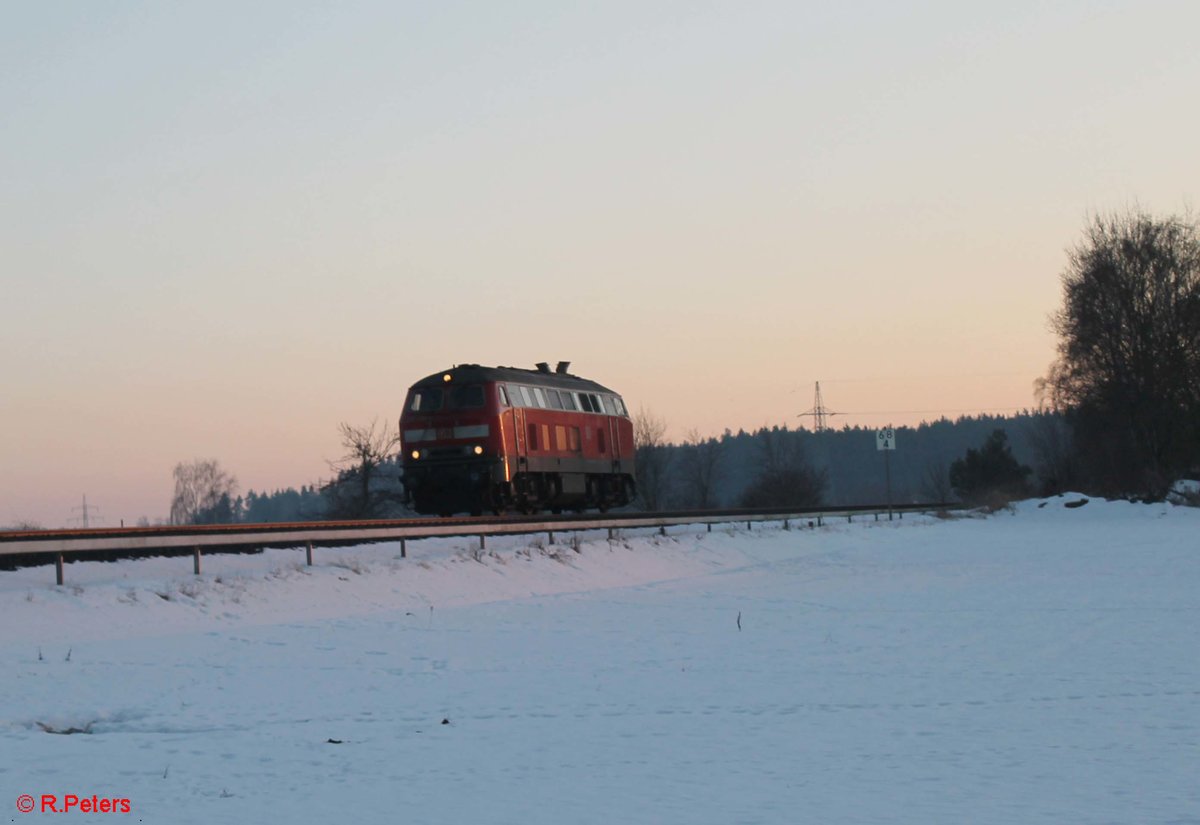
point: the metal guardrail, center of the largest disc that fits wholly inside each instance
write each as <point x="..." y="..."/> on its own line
<point x="149" y="540"/>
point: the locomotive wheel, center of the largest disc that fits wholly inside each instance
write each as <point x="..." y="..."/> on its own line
<point x="596" y="494"/>
<point x="496" y="499"/>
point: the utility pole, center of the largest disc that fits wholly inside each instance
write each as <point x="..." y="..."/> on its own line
<point x="84" y="510"/>
<point x="819" y="411"/>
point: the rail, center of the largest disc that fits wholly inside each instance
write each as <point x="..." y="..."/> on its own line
<point x="59" y="544"/>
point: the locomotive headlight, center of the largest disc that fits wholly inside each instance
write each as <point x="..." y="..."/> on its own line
<point x="446" y="378"/>
<point x="478" y="450"/>
<point x="416" y="454"/>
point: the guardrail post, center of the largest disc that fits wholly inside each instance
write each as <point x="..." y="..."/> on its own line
<point x="749" y="526"/>
<point x="786" y="525"/>
<point x="58" y="569"/>
<point x="482" y="542"/>
<point x="662" y="531"/>
<point x="849" y="518"/>
<point x="877" y="516"/>
<point x="610" y="534"/>
<point x="196" y="559"/>
<point x="403" y="550"/>
<point x="710" y="527"/>
<point x="550" y="537"/>
<point x="308" y="553"/>
<point x="819" y="522"/>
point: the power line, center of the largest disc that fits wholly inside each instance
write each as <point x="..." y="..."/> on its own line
<point x="931" y="412"/>
<point x="927" y="377"/>
<point x="820" y="413"/>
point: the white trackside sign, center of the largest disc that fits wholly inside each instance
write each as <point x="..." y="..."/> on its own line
<point x="885" y="439"/>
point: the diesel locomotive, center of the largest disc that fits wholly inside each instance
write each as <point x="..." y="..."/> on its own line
<point x="478" y="439"/>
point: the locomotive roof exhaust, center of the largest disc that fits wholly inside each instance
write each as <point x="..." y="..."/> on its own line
<point x="561" y="369"/>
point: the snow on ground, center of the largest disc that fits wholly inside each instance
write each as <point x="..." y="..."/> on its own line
<point x="1037" y="666"/>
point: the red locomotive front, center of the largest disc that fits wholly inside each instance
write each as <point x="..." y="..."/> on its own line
<point x="492" y="438"/>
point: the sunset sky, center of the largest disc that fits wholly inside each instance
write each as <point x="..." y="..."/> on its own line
<point x="228" y="227"/>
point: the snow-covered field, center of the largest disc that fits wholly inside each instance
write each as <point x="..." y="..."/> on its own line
<point x="1038" y="666"/>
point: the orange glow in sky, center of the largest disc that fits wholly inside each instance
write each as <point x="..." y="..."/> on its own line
<point x="225" y="233"/>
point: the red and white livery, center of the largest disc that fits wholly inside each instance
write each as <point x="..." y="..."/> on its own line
<point x="496" y="438"/>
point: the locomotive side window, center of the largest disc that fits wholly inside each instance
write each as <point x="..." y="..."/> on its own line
<point x="585" y="403"/>
<point x="555" y="399"/>
<point x="619" y="405"/>
<point x="429" y="400"/>
<point x="569" y="401"/>
<point x="526" y="398"/>
<point x="467" y="397"/>
<point x="598" y="403"/>
<point x="503" y="395"/>
<point x="539" y="397"/>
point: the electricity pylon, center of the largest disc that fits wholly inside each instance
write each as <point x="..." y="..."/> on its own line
<point x="819" y="412"/>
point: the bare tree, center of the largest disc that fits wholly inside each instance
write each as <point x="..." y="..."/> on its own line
<point x="1128" y="371"/>
<point x="701" y="469"/>
<point x="1050" y="438"/>
<point x="785" y="477"/>
<point x="935" y="483"/>
<point x="355" y="491"/>
<point x="653" y="458"/>
<point x="204" y="494"/>
<point x="23" y="526"/>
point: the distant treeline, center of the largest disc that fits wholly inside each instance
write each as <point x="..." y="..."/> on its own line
<point x="305" y="504"/>
<point x="851" y="466"/>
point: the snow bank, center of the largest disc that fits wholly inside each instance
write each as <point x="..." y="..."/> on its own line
<point x="1034" y="666"/>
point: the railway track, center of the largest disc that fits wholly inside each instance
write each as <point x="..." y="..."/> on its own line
<point x="35" y="547"/>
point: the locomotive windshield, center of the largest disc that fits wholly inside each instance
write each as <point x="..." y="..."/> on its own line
<point x="469" y="397"/>
<point x="432" y="399"/>
<point x="427" y="400"/>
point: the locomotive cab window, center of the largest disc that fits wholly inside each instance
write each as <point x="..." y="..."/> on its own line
<point x="555" y="399"/>
<point x="539" y="397"/>
<point x="585" y="403"/>
<point x="428" y="400"/>
<point x="503" y="395"/>
<point x="467" y="397"/>
<point x="568" y="399"/>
